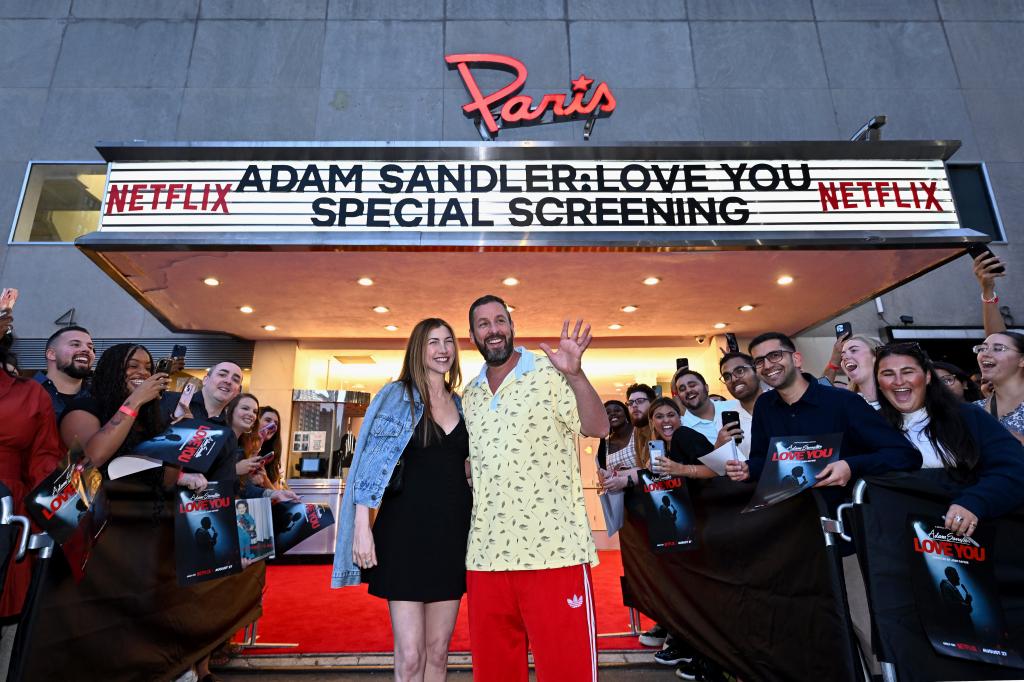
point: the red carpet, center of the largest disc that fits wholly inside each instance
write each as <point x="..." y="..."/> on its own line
<point x="299" y="606"/>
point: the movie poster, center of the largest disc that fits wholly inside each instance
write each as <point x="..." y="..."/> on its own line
<point x="791" y="466"/>
<point x="205" y="534"/>
<point x="60" y="503"/>
<point x="955" y="591"/>
<point x="296" y="521"/>
<point x="665" y="503"/>
<point x="255" y="523"/>
<point x="191" y="443"/>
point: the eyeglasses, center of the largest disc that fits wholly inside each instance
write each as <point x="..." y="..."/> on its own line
<point x="637" y="401"/>
<point x="949" y="379"/>
<point x="737" y="373"/>
<point x="773" y="357"/>
<point x="994" y="348"/>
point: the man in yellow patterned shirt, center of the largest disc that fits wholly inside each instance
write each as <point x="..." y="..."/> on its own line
<point x="530" y="547"/>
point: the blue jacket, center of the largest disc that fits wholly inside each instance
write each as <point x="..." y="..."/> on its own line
<point x="386" y="431"/>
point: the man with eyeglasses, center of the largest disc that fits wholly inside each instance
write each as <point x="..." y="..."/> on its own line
<point x="638" y="400"/>
<point x="741" y="380"/>
<point x="799" y="405"/>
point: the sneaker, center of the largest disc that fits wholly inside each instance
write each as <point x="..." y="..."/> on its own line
<point x="687" y="670"/>
<point x="673" y="654"/>
<point x="655" y="637"/>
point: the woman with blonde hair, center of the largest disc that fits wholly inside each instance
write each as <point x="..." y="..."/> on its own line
<point x="411" y="455"/>
<point x="857" y="360"/>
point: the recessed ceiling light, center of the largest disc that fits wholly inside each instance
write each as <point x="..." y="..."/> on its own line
<point x="784" y="280"/>
<point x="269" y="328"/>
<point x="618" y="384"/>
<point x="629" y="308"/>
<point x="381" y="309"/>
<point x="510" y="281"/>
<point x="364" y="281"/>
<point x="247" y="309"/>
<point x="358" y="386"/>
<point x="651" y="281"/>
<point x="615" y="326"/>
<point x="720" y="325"/>
<point x="211" y="281"/>
<point x="746" y="308"/>
<point x="391" y="328"/>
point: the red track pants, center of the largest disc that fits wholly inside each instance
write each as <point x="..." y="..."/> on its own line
<point x="550" y="610"/>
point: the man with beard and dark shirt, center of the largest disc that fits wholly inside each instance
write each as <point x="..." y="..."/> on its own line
<point x="530" y="547"/>
<point x="69" y="358"/>
<point x="638" y="400"/>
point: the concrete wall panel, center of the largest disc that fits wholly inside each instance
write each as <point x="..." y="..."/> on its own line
<point x="284" y="54"/>
<point x="30" y="50"/>
<point x="742" y="54"/>
<point x="659" y="53"/>
<point x="368" y="55"/>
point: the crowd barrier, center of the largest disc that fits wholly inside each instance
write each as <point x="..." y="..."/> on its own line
<point x="762" y="594"/>
<point x="878" y="523"/>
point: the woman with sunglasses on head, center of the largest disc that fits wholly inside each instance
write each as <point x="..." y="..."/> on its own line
<point x="410" y="461"/>
<point x="958" y="437"/>
<point x="1001" y="360"/>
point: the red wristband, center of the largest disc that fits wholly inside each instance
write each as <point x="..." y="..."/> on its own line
<point x="124" y="409"/>
<point x="835" y="367"/>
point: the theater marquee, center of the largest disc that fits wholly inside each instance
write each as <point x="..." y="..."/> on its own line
<point x="543" y="195"/>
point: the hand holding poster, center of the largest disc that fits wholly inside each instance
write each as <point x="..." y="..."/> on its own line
<point x="255" y="529"/>
<point x="205" y="535"/>
<point x="665" y="503"/>
<point x="191" y="444"/>
<point x="791" y="467"/>
<point x="955" y="589"/>
<point x="296" y="521"/>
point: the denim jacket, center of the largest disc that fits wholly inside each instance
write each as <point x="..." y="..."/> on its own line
<point x="385" y="433"/>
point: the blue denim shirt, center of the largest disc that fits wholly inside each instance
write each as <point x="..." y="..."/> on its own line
<point x="385" y="433"/>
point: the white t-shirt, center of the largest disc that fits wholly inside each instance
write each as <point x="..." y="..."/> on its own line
<point x="709" y="428"/>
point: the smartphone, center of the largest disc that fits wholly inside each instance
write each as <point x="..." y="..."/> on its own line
<point x="731" y="417"/>
<point x="268" y="430"/>
<point x="682" y="362"/>
<point x="266" y="458"/>
<point x="185" y="400"/>
<point x="974" y="249"/>
<point x="179" y="351"/>
<point x="656" y="449"/>
<point x="8" y="298"/>
<point x="163" y="365"/>
<point x="843" y="329"/>
<point x="731" y="343"/>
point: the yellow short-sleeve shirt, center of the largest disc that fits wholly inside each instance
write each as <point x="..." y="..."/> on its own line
<point x="528" y="509"/>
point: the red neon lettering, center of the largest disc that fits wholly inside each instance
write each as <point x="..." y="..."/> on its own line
<point x="166" y="197"/>
<point x="519" y="108"/>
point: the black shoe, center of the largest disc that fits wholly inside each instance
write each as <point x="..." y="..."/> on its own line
<point x="687" y="670"/>
<point x="655" y="637"/>
<point x="673" y="654"/>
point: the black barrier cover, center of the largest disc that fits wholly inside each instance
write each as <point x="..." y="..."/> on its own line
<point x="761" y="595"/>
<point x="880" y="530"/>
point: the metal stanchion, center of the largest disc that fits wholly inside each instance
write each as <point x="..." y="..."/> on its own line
<point x="251" y="635"/>
<point x="634" y="627"/>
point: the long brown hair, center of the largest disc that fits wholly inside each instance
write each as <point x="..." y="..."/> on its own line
<point x="273" y="444"/>
<point x="414" y="371"/>
<point x="646" y="435"/>
<point x="250" y="440"/>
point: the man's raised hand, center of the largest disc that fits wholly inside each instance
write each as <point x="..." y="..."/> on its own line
<point x="567" y="358"/>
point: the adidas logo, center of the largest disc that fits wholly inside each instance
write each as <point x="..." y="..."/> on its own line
<point x="575" y="601"/>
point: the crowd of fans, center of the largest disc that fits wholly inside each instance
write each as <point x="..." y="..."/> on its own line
<point x="898" y="410"/>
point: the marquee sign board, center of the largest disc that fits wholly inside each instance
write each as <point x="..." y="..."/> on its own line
<point x="503" y="196"/>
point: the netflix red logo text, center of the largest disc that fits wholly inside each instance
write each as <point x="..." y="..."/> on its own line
<point x="838" y="196"/>
<point x="177" y="196"/>
<point x="519" y="109"/>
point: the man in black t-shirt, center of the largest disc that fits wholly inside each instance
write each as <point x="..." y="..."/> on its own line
<point x="69" y="358"/>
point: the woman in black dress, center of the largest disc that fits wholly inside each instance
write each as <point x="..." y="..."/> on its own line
<point x="415" y="554"/>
